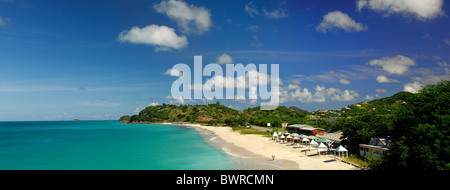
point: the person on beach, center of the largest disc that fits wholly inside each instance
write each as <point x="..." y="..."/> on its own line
<point x="273" y="157"/>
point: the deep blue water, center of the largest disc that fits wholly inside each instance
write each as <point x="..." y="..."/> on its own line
<point x="105" y="145"/>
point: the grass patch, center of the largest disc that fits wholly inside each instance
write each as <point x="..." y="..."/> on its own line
<point x="357" y="161"/>
<point x="249" y="130"/>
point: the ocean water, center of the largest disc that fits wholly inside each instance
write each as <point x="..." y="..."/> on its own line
<point x="105" y="145"/>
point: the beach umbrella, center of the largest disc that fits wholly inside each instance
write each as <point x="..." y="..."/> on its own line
<point x="321" y="146"/>
<point x="294" y="134"/>
<point x="313" y="143"/>
<point x="302" y="136"/>
<point x="288" y="137"/>
<point x="305" y="140"/>
<point x="325" y="140"/>
<point x="295" y="139"/>
<point x="275" y="135"/>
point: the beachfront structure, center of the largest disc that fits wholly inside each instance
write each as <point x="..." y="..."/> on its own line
<point x="275" y="136"/>
<point x="376" y="146"/>
<point x="340" y="150"/>
<point x="321" y="147"/>
<point x="305" y="129"/>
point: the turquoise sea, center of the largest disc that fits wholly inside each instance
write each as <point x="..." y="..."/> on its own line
<point x="105" y="145"/>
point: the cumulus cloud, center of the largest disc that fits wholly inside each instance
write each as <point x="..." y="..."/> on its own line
<point x="344" y="81"/>
<point x="181" y="100"/>
<point x="153" y="104"/>
<point x="413" y="87"/>
<point x="241" y="81"/>
<point x="163" y="37"/>
<point x="420" y="9"/>
<point x="394" y="65"/>
<point x="295" y="93"/>
<point x="339" y="20"/>
<point x="190" y="18"/>
<point x="224" y="59"/>
<point x="384" y="79"/>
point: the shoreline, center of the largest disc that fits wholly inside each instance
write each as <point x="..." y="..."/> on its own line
<point x="259" y="150"/>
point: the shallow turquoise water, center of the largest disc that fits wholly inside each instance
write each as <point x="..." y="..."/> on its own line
<point x="105" y="145"/>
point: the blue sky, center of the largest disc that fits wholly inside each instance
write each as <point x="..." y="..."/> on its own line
<point x="102" y="59"/>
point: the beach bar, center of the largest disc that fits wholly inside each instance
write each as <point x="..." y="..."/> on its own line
<point x="305" y="129"/>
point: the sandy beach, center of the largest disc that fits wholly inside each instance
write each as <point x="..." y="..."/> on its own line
<point x="262" y="148"/>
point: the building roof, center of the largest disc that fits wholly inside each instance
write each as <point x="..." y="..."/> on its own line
<point x="304" y="127"/>
<point x="341" y="149"/>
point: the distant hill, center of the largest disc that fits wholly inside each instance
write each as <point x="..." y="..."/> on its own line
<point x="216" y="113"/>
<point x="299" y="110"/>
<point x="384" y="106"/>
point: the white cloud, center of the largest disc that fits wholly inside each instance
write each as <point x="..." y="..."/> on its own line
<point x="384" y="79"/>
<point x="344" y="81"/>
<point x="369" y="97"/>
<point x="99" y="103"/>
<point x="251" y="9"/>
<point x="322" y="94"/>
<point x="394" y="65"/>
<point x="153" y="104"/>
<point x="161" y="36"/>
<point x="190" y="18"/>
<point x="181" y="100"/>
<point x="412" y="87"/>
<point x="337" y="19"/>
<point x="177" y="73"/>
<point x="443" y="64"/>
<point x="420" y="9"/>
<point x="224" y="59"/>
<point x="241" y="81"/>
<point x="277" y="13"/>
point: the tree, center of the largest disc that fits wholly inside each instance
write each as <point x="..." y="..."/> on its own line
<point x="421" y="134"/>
<point x="359" y="130"/>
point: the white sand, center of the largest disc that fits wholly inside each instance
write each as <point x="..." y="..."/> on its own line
<point x="263" y="146"/>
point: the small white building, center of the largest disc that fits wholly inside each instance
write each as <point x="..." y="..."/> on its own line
<point x="376" y="146"/>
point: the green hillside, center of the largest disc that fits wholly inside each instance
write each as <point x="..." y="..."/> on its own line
<point x="217" y="113"/>
<point x="383" y="106"/>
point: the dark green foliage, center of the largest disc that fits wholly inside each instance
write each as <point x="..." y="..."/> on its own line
<point x="125" y="118"/>
<point x="384" y="106"/>
<point x="421" y="134"/>
<point x="281" y="114"/>
<point x="359" y="130"/>
<point x="216" y="113"/>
